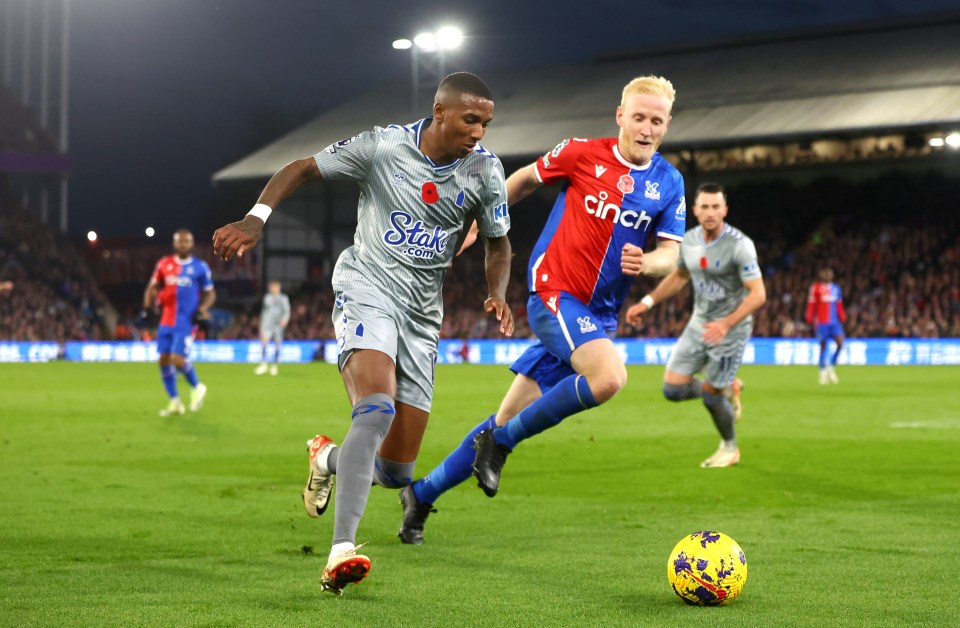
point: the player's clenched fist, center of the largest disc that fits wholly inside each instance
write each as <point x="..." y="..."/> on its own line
<point x="631" y="260"/>
<point x="237" y="237"/>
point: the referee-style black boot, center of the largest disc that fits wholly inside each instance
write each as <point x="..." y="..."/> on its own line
<point x="489" y="461"/>
<point x="414" y="517"/>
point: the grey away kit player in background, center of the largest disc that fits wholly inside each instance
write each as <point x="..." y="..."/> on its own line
<point x="721" y="263"/>
<point x="274" y="316"/>
<point x="421" y="185"/>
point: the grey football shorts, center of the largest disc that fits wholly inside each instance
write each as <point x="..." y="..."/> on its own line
<point x="366" y="319"/>
<point x="271" y="332"/>
<point x="719" y="363"/>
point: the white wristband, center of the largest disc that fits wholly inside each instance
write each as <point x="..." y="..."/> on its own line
<point x="648" y="301"/>
<point x="261" y="211"/>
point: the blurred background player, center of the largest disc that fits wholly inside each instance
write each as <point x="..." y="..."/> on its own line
<point x="721" y="263"/>
<point x="619" y="191"/>
<point x="274" y="316"/>
<point x="182" y="286"/>
<point x="825" y="307"/>
<point x="421" y="186"/>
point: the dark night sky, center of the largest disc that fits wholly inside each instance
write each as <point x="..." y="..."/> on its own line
<point x="164" y="93"/>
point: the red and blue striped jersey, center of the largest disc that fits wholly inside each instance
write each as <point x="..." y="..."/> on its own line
<point x="181" y="282"/>
<point x="605" y="203"/>
<point x="825" y="304"/>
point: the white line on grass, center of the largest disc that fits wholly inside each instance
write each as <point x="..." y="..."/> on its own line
<point x="930" y="425"/>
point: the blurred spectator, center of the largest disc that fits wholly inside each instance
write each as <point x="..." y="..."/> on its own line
<point x="55" y="295"/>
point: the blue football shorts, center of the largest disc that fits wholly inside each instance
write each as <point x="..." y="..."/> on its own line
<point x="827" y="331"/>
<point x="175" y="340"/>
<point x="562" y="323"/>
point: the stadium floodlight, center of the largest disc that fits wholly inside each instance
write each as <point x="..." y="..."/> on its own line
<point x="428" y="52"/>
<point x="953" y="140"/>
<point x="935" y="142"/>
<point x="426" y="42"/>
<point x="449" y="37"/>
<point x="150" y="231"/>
<point x="92" y="236"/>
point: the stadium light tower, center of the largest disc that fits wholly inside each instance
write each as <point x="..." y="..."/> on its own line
<point x="428" y="51"/>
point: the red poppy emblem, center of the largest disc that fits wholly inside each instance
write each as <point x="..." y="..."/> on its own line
<point x="429" y="193"/>
<point x="703" y="262"/>
<point x="625" y="184"/>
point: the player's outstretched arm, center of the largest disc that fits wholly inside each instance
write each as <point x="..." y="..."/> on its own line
<point x="521" y="184"/>
<point x="241" y="236"/>
<point x="669" y="286"/>
<point x="497" y="261"/>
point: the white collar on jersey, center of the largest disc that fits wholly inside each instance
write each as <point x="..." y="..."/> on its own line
<point x="630" y="164"/>
<point x="419" y="127"/>
<point x="184" y="262"/>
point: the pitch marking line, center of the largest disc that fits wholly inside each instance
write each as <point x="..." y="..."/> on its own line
<point x="931" y="425"/>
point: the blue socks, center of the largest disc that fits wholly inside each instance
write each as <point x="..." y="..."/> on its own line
<point x="169" y="376"/>
<point x="190" y="373"/>
<point x="836" y="354"/>
<point x="455" y="468"/>
<point x="569" y="396"/>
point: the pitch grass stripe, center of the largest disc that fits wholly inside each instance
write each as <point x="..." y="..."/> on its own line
<point x="198" y="519"/>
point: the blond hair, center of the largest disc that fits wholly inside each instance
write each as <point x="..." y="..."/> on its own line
<point x="653" y="85"/>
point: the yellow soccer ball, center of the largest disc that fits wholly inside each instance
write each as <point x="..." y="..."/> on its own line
<point x="707" y="568"/>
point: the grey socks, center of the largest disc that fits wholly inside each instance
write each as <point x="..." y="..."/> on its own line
<point x="372" y="417"/>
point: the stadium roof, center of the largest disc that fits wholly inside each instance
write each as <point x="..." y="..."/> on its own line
<point x="865" y="80"/>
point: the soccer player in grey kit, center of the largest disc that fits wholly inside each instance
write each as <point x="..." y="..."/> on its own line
<point x="422" y="185"/>
<point x="274" y="316"/>
<point x="721" y="263"/>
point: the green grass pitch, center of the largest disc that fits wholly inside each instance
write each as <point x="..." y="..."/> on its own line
<point x="846" y="502"/>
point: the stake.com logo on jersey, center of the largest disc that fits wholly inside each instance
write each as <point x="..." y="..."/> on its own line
<point x="597" y="206"/>
<point x="414" y="239"/>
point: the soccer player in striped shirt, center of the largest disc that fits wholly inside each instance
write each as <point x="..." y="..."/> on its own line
<point x="825" y="307"/>
<point x="720" y="263"/>
<point x="619" y="194"/>
<point x="422" y="185"/>
<point x="183" y="287"/>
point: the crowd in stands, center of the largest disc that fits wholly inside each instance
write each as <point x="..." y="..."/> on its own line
<point x="54" y="295"/>
<point x="899" y="269"/>
<point x="797" y="154"/>
<point x="893" y="243"/>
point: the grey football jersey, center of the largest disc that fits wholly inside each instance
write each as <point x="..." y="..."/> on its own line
<point x="413" y="214"/>
<point x="276" y="307"/>
<point x="718" y="270"/>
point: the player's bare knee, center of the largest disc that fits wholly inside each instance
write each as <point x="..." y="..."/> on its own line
<point x="606" y="384"/>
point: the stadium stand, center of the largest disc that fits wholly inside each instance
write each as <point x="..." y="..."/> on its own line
<point x="895" y="252"/>
<point x="778" y="122"/>
<point x="55" y="296"/>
